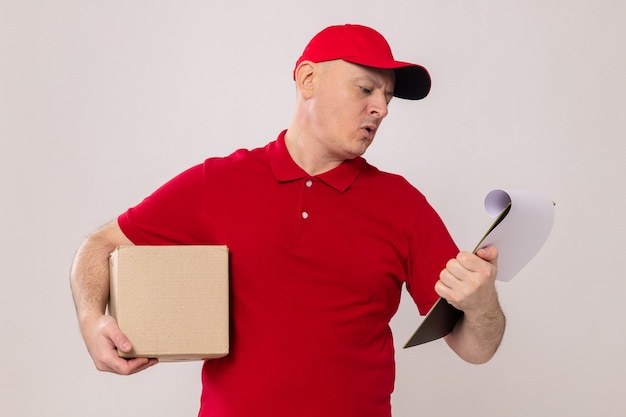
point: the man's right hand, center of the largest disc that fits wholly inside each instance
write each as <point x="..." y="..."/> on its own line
<point x="103" y="337"/>
<point x="89" y="280"/>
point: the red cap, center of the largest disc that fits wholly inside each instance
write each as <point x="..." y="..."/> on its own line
<point x="364" y="46"/>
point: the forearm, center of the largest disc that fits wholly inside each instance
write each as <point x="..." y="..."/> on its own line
<point x="89" y="278"/>
<point x="477" y="336"/>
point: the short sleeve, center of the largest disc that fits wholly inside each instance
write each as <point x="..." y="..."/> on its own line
<point x="170" y="215"/>
<point x="430" y="246"/>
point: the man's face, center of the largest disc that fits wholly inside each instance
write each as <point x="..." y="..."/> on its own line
<point x="349" y="103"/>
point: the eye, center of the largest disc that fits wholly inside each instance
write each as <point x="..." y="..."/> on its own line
<point x="365" y="90"/>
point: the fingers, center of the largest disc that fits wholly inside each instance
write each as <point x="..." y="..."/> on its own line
<point x="469" y="279"/>
<point x="129" y="366"/>
<point x="466" y="267"/>
<point x="103" y="347"/>
<point x="119" y="339"/>
<point x="482" y="261"/>
<point x="489" y="254"/>
<point x="449" y="287"/>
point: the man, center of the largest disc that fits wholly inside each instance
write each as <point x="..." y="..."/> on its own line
<point x="320" y="242"/>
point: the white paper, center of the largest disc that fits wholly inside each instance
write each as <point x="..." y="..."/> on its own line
<point x="522" y="231"/>
<point x="523" y="222"/>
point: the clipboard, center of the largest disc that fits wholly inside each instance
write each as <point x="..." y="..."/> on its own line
<point x="518" y="239"/>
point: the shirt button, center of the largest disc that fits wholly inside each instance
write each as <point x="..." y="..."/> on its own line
<point x="308" y="183"/>
<point x="305" y="215"/>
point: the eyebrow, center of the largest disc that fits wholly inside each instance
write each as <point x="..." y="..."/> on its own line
<point x="378" y="84"/>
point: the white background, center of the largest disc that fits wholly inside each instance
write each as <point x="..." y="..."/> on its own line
<point x="101" y="102"/>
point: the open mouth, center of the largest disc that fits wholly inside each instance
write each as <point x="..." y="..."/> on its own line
<point x="370" y="129"/>
<point x="370" y="132"/>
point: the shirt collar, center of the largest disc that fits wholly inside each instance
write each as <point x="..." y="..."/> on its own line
<point x="285" y="168"/>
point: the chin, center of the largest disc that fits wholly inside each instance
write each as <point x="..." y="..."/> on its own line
<point x="357" y="153"/>
<point x="365" y="144"/>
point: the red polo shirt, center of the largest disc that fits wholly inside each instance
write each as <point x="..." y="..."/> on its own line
<point x="317" y="265"/>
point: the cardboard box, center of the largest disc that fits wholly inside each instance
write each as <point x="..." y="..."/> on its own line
<point x="171" y="301"/>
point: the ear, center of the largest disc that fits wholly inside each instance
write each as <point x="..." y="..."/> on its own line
<point x="304" y="78"/>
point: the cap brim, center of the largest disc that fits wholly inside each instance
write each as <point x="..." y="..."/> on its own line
<point x="412" y="82"/>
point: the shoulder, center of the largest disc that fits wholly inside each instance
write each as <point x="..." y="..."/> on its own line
<point x="390" y="185"/>
<point x="237" y="160"/>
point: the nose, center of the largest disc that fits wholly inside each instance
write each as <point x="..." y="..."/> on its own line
<point x="379" y="107"/>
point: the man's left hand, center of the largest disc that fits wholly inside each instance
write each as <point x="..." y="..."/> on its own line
<point x="468" y="281"/>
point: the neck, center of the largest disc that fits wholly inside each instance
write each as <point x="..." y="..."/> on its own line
<point x="305" y="151"/>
